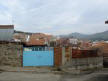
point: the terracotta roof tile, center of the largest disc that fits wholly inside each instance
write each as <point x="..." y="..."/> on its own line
<point x="38" y="39"/>
<point x="104" y="48"/>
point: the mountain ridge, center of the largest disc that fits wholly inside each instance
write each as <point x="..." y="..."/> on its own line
<point x="96" y="36"/>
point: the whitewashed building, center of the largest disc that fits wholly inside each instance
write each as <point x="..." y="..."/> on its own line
<point x="73" y="41"/>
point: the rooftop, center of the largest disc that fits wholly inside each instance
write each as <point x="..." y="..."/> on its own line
<point x="6" y="26"/>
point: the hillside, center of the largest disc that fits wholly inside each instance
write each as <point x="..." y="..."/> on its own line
<point x="99" y="36"/>
<point x="96" y="36"/>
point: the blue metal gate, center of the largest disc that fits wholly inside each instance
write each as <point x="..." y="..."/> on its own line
<point x="33" y="56"/>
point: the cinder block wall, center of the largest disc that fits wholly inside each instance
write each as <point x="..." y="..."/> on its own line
<point x="11" y="54"/>
<point x="86" y="60"/>
<point x="63" y="58"/>
<point x="66" y="55"/>
<point x="86" y="63"/>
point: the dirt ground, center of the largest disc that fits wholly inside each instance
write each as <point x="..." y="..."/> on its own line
<point x="22" y="76"/>
<point x="34" y="76"/>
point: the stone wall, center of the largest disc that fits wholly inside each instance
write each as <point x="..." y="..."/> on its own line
<point x="11" y="54"/>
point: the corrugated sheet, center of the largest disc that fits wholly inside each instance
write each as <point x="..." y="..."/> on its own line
<point x="6" y="26"/>
<point x="6" y="34"/>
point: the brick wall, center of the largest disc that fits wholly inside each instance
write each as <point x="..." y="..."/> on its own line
<point x="76" y="53"/>
<point x="57" y="56"/>
<point x="82" y="59"/>
<point x="62" y="55"/>
<point x="11" y="54"/>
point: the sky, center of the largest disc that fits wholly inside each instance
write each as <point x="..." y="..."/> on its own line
<point x="55" y="16"/>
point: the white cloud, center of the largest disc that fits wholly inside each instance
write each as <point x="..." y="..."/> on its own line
<point x="55" y="16"/>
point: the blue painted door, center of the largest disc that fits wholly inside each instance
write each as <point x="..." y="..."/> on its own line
<point x="38" y="58"/>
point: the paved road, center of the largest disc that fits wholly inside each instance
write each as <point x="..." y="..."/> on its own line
<point x="22" y="76"/>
